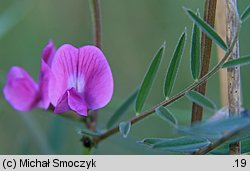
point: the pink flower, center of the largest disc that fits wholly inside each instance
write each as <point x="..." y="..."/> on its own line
<point x="81" y="80"/>
<point x="22" y="92"/>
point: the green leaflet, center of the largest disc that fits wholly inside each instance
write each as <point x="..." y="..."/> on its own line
<point x="207" y="29"/>
<point x="186" y="144"/>
<point x="201" y="100"/>
<point x="124" y="128"/>
<point x="122" y="109"/>
<point x="148" y="80"/>
<point x="174" y="66"/>
<point x="214" y="130"/>
<point x="151" y="141"/>
<point x="196" y="51"/>
<point x="245" y="15"/>
<point x="166" y="115"/>
<point x="239" y="61"/>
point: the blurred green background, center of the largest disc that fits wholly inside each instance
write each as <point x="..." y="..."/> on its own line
<point x="132" y="32"/>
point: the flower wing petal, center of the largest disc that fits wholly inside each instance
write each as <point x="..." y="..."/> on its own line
<point x="49" y="53"/>
<point x="77" y="103"/>
<point x="44" y="78"/>
<point x="62" y="105"/>
<point x="45" y="74"/>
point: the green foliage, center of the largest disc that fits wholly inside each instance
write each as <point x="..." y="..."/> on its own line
<point x="148" y="80"/>
<point x="185" y="144"/>
<point x="245" y="15"/>
<point x="121" y="110"/>
<point x="224" y="149"/>
<point x="196" y="51"/>
<point x="200" y="135"/>
<point x="166" y="115"/>
<point x="201" y="100"/>
<point x="124" y="128"/>
<point x="206" y="28"/>
<point x="151" y="141"/>
<point x="213" y="130"/>
<point x="174" y="65"/>
<point x="245" y="60"/>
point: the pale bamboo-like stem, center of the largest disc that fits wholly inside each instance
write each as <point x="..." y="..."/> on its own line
<point x="220" y="26"/>
<point x="234" y="99"/>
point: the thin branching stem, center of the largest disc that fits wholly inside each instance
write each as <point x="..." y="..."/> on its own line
<point x="172" y="99"/>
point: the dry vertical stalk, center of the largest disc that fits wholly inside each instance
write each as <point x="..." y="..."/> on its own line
<point x="220" y="25"/>
<point x="206" y="46"/>
<point x="233" y="74"/>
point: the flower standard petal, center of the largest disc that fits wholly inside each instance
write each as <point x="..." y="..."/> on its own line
<point x="62" y="78"/>
<point x="98" y="77"/>
<point x="20" y="90"/>
<point x="86" y="70"/>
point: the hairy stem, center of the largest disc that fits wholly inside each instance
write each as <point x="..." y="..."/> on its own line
<point x="206" y="47"/>
<point x="233" y="74"/>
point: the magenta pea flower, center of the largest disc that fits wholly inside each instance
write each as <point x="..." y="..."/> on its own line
<point x="81" y="79"/>
<point x="22" y="92"/>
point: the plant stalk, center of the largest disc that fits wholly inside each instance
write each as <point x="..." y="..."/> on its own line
<point x="220" y="26"/>
<point x="95" y="9"/>
<point x="233" y="74"/>
<point x="91" y="120"/>
<point x="206" y="47"/>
